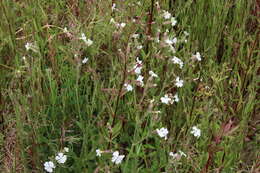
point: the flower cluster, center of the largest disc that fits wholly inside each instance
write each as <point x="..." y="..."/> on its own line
<point x="178" y="61"/>
<point x="177" y="155"/>
<point x="195" y="131"/>
<point x="116" y="157"/>
<point x="169" y="99"/>
<point x="87" y="41"/>
<point x="162" y="132"/>
<point x="61" y="158"/>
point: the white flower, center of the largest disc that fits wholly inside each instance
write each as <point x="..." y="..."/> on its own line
<point x="113" y="7"/>
<point x="31" y="46"/>
<point x="176" y="98"/>
<point x="128" y="87"/>
<point x="65" y="30"/>
<point x="117" y="159"/>
<point x="166" y="15"/>
<point x="87" y="41"/>
<point x="135" y="35"/>
<point x="112" y="20"/>
<point x="98" y="152"/>
<point x="166" y="99"/>
<point x="83" y="37"/>
<point x="151" y="73"/>
<point x="138" y="66"/>
<point x="197" y="56"/>
<point x="120" y="25"/>
<point x="123" y="25"/>
<point x="138" y="69"/>
<point x="85" y="60"/>
<point x="138" y="61"/>
<point x="179" y="83"/>
<point x="186" y="33"/>
<point x="170" y="41"/>
<point x="66" y="149"/>
<point x="173" y="21"/>
<point x="177" y="155"/>
<point x="139" y="47"/>
<point x="49" y="166"/>
<point x="182" y="153"/>
<point x="176" y="60"/>
<point x="174" y="40"/>
<point x="196" y="131"/>
<point x="61" y="158"/>
<point x="174" y="155"/>
<point x="28" y="46"/>
<point x="162" y="132"/>
<point x="140" y="79"/>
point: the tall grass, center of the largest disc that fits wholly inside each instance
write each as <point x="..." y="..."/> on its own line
<point x="50" y="99"/>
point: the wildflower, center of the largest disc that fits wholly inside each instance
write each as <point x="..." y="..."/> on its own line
<point x="128" y="87"/>
<point x="31" y="46"/>
<point x="179" y="83"/>
<point x="138" y="69"/>
<point x="135" y="35"/>
<point x="112" y="20"/>
<point x="197" y="56"/>
<point x="24" y="60"/>
<point x="174" y="155"/>
<point x="186" y="33"/>
<point x="139" y="61"/>
<point x="83" y="37"/>
<point x="173" y="21"/>
<point x="166" y="15"/>
<point x="166" y="99"/>
<point x="85" y="60"/>
<point x="182" y="153"/>
<point x="177" y="155"/>
<point x="120" y="25"/>
<point x="98" y="152"/>
<point x="66" y="149"/>
<point x="162" y="132"/>
<point x="49" y="166"/>
<point x="65" y="30"/>
<point x="61" y="158"/>
<point x="123" y="25"/>
<point x="196" y="131"/>
<point x="176" y="98"/>
<point x="170" y="41"/>
<point x="28" y="46"/>
<point x="113" y="7"/>
<point x="138" y="66"/>
<point x="87" y="41"/>
<point x="176" y="60"/>
<point x="140" y="80"/>
<point x="117" y="159"/>
<point x="151" y="73"/>
<point x="139" y="47"/>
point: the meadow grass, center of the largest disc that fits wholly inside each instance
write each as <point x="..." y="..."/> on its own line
<point x="58" y="89"/>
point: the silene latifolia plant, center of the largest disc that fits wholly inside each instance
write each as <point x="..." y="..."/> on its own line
<point x="157" y="76"/>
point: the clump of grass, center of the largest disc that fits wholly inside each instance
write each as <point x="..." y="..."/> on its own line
<point x="117" y="86"/>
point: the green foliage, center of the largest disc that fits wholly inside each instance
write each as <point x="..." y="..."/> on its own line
<point x="50" y="99"/>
